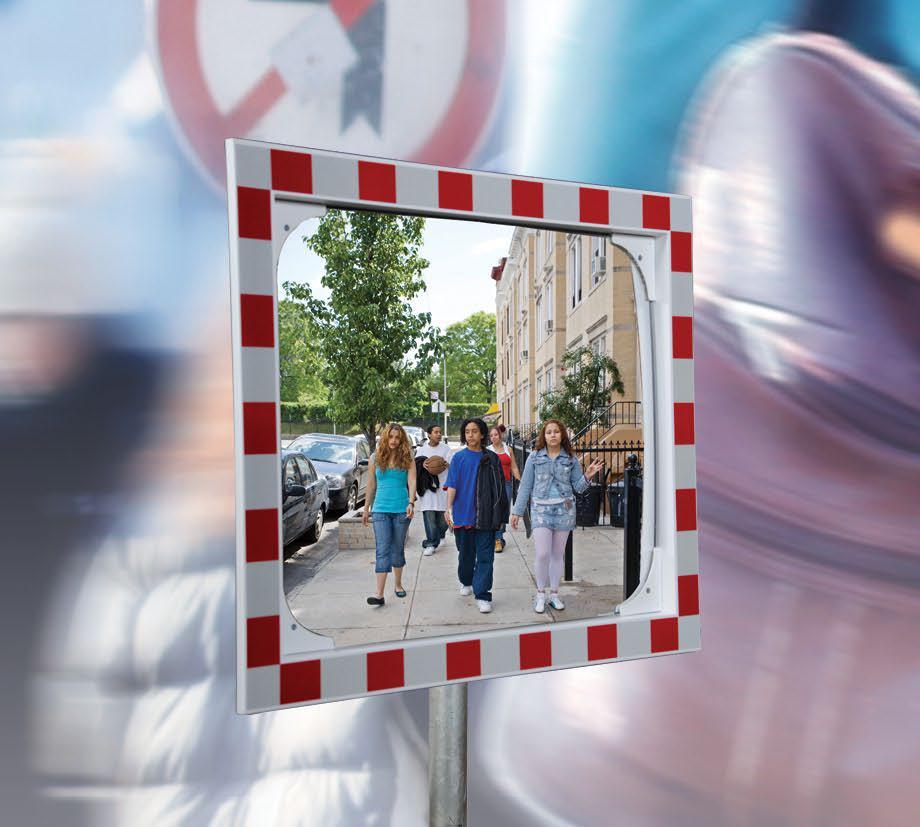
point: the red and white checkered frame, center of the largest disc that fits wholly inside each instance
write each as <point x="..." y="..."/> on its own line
<point x="281" y="664"/>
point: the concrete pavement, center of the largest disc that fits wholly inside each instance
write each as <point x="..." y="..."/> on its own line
<point x="327" y="588"/>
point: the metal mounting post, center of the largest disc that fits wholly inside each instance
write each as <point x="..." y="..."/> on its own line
<point x="447" y="755"/>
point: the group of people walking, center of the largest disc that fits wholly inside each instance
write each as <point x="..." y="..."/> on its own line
<point x="468" y="491"/>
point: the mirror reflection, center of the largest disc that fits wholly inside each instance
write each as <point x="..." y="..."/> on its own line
<point x="462" y="438"/>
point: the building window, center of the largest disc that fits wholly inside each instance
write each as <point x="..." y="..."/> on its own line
<point x="575" y="272"/>
<point x="540" y="326"/>
<point x="599" y="346"/>
<point x="549" y="243"/>
<point x="598" y="259"/>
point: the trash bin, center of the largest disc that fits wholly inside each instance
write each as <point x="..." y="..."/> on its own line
<point x="588" y="506"/>
<point x="616" y="498"/>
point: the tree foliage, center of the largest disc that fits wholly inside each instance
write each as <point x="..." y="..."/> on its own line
<point x="470" y="349"/>
<point x="588" y="380"/>
<point x="300" y="363"/>
<point x="375" y="349"/>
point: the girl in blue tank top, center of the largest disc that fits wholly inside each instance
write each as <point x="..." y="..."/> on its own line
<point x="389" y="503"/>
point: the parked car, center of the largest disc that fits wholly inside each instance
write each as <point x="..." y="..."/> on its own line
<point x="417" y="436"/>
<point x="342" y="460"/>
<point x="359" y="438"/>
<point x="304" y="498"/>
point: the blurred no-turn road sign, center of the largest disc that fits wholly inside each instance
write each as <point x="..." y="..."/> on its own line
<point x="401" y="78"/>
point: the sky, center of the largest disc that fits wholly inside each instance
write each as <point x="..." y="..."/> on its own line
<point x="462" y="254"/>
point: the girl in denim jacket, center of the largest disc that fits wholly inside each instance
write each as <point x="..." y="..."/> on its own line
<point x="552" y="476"/>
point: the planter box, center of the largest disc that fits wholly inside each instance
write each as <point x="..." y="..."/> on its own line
<point x="354" y="535"/>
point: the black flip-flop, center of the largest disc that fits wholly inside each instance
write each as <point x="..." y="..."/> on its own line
<point x="375" y="601"/>
<point x="400" y="592"/>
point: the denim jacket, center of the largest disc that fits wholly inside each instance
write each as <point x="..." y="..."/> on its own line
<point x="539" y="472"/>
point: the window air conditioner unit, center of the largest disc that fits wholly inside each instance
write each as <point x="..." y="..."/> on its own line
<point x="600" y="264"/>
<point x="549" y="325"/>
<point x="523" y="355"/>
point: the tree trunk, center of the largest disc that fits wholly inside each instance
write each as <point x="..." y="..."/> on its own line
<point x="370" y="431"/>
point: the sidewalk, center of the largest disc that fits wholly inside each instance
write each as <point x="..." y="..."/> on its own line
<point x="327" y="589"/>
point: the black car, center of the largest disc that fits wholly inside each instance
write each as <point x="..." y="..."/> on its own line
<point x="343" y="461"/>
<point x="304" y="498"/>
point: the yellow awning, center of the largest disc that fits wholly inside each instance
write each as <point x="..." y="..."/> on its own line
<point x="493" y="410"/>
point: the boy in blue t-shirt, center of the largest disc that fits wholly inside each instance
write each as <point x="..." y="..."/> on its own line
<point x="475" y="506"/>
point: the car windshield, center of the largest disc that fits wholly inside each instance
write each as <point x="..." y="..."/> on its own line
<point x="326" y="451"/>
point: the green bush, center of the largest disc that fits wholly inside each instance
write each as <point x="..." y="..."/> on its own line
<point x="299" y="412"/>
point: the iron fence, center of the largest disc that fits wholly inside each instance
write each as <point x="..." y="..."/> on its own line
<point x="605" y="419"/>
<point x="616" y="456"/>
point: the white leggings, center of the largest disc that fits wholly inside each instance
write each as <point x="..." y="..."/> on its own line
<point x="550" y="547"/>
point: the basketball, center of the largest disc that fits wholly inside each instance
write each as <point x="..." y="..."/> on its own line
<point x="435" y="465"/>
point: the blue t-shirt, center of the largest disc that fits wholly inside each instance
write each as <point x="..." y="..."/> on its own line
<point x="461" y="475"/>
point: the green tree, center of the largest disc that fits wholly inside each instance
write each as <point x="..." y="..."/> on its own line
<point x="375" y="349"/>
<point x="470" y="349"/>
<point x="300" y="363"/>
<point x="588" y="380"/>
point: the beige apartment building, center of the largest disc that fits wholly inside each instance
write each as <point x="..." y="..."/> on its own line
<point x="555" y="292"/>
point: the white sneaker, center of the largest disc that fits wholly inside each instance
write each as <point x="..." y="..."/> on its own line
<point x="428" y="551"/>
<point x="485" y="606"/>
<point x="555" y="602"/>
<point x="465" y="590"/>
<point x="539" y="603"/>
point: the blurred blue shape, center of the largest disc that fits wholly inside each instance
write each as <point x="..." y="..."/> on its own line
<point x="61" y="60"/>
<point x="627" y="72"/>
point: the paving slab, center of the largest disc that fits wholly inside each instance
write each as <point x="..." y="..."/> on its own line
<point x="586" y="601"/>
<point x="343" y="611"/>
<point x="510" y="607"/>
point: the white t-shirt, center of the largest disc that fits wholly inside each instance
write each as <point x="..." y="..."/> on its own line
<point x="434" y="500"/>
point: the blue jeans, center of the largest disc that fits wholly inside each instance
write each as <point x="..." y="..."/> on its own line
<point x="500" y="534"/>
<point x="435" y="528"/>
<point x="390" y="531"/>
<point x="477" y="555"/>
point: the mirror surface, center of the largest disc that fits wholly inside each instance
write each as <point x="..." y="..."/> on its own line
<point x="424" y="323"/>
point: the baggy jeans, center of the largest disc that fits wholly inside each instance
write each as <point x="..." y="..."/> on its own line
<point x="477" y="556"/>
<point x="435" y="528"/>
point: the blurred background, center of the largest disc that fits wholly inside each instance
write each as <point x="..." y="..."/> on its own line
<point x="796" y="128"/>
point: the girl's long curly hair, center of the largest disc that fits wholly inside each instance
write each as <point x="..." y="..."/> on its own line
<point x="566" y="443"/>
<point x="399" y="457"/>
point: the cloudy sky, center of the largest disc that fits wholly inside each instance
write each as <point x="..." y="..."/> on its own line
<point x="462" y="254"/>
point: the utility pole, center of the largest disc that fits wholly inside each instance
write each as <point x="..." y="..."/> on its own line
<point x="445" y="396"/>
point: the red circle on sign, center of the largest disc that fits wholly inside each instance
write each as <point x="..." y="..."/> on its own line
<point x="204" y="127"/>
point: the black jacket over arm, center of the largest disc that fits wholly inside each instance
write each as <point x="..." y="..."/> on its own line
<point x="423" y="480"/>
<point x="492" y="505"/>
